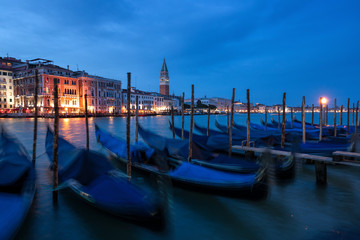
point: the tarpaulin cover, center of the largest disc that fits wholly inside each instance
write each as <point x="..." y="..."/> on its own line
<point x="210" y="176"/>
<point x="14" y="161"/>
<point x="139" y="152"/>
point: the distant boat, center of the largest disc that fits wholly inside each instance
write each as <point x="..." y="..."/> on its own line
<point x="17" y="185"/>
<point x="183" y="174"/>
<point x="90" y="176"/>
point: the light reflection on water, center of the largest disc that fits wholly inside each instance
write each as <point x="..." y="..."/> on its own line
<point x="297" y="209"/>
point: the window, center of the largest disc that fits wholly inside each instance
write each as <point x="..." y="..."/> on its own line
<point x="10" y="100"/>
<point x="5" y="73"/>
<point x="10" y="106"/>
<point x="10" y="74"/>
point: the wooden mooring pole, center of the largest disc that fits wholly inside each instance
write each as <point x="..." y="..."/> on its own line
<point x="191" y="122"/>
<point x="172" y="121"/>
<point x="312" y="115"/>
<point x="341" y="115"/>
<point x="303" y="121"/>
<point x="86" y="123"/>
<point x="356" y="120"/>
<point x="283" y="122"/>
<point x="348" y="118"/>
<point x="128" y="155"/>
<point x="279" y="122"/>
<point x="56" y="142"/>
<point x="35" y="116"/>
<point x="292" y="117"/>
<point x="302" y="111"/>
<point x="137" y="118"/>
<point x="231" y="121"/>
<point x="265" y="118"/>
<point x="327" y="111"/>
<point x="321" y="173"/>
<point x="335" y="117"/>
<point x="227" y="118"/>
<point x="353" y="114"/>
<point x="320" y="119"/>
<point x="182" y="116"/>
<point x="248" y="118"/>
<point x="208" y="121"/>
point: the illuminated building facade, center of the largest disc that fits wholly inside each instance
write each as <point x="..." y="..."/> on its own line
<point x="6" y="84"/>
<point x="104" y="95"/>
<point x="149" y="101"/>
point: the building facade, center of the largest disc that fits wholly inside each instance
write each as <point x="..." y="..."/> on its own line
<point x="150" y="102"/>
<point x="103" y="95"/>
<point x="7" y="102"/>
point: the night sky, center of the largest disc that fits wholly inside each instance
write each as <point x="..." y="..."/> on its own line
<point x="309" y="48"/>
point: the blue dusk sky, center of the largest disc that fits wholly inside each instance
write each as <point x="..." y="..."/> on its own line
<point x="303" y="48"/>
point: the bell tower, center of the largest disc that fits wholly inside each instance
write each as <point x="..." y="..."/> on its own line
<point x="164" y="79"/>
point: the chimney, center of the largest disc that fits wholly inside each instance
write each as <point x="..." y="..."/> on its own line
<point x="68" y="67"/>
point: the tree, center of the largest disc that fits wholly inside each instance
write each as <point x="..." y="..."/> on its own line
<point x="212" y="107"/>
<point x="200" y="105"/>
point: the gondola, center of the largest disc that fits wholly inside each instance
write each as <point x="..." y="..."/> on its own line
<point x="203" y="131"/>
<point x="284" y="167"/>
<point x="17" y="185"/>
<point x="91" y="177"/>
<point x="182" y="174"/>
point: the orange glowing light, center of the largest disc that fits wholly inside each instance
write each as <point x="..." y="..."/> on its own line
<point x="323" y="100"/>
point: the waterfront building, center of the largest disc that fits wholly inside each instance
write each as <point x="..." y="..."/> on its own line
<point x="7" y="102"/>
<point x="24" y="87"/>
<point x="164" y="80"/>
<point x="104" y="95"/>
<point x="150" y="101"/>
<point x="221" y="104"/>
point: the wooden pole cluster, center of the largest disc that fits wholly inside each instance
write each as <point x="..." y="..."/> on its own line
<point x="335" y="117"/>
<point x="348" y="118"/>
<point x="191" y="122"/>
<point x="341" y="115"/>
<point x="182" y="116"/>
<point x="231" y="121"/>
<point x="265" y="118"/>
<point x="137" y="118"/>
<point x="292" y="117"/>
<point x="172" y="121"/>
<point x="128" y="156"/>
<point x="321" y="119"/>
<point x="303" y="121"/>
<point x="208" y="122"/>
<point x="248" y="118"/>
<point x="312" y="115"/>
<point x="86" y="123"/>
<point x="56" y="141"/>
<point x="283" y="122"/>
<point x="35" y="116"/>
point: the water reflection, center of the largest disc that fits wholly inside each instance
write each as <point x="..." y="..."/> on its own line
<point x="297" y="210"/>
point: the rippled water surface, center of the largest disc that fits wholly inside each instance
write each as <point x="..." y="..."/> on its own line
<point x="295" y="209"/>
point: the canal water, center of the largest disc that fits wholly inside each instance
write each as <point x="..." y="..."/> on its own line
<point x="293" y="209"/>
